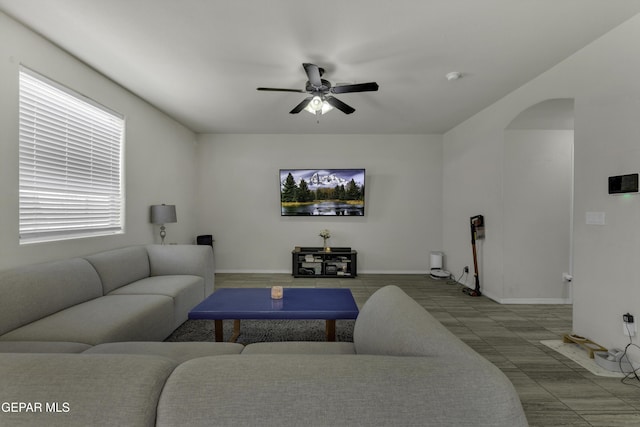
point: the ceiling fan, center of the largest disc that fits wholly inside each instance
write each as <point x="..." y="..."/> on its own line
<point x="320" y="101"/>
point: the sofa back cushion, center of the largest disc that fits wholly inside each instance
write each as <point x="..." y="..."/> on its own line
<point x="337" y="390"/>
<point x="32" y="292"/>
<point x="392" y="323"/>
<point x="119" y="267"/>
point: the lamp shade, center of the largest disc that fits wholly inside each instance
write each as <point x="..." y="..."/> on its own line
<point x="163" y="214"/>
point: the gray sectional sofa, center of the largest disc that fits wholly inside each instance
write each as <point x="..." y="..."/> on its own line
<point x="137" y="293"/>
<point x="403" y="368"/>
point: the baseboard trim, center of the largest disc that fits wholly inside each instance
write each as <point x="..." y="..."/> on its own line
<point x="539" y="301"/>
<point x="387" y="272"/>
<point x="232" y="271"/>
<point x="522" y="301"/>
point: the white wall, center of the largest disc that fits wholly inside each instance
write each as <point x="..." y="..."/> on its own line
<point x="159" y="152"/>
<point x="538" y="174"/>
<point x="240" y="202"/>
<point x="603" y="80"/>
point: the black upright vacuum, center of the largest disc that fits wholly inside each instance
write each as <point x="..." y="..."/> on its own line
<point x="477" y="232"/>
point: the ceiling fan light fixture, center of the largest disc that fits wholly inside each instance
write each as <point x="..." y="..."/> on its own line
<point x="454" y="75"/>
<point x="317" y="105"/>
<point x="326" y="107"/>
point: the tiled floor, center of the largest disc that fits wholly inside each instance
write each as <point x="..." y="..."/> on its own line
<point x="554" y="390"/>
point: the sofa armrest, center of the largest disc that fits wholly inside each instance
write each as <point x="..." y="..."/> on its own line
<point x="392" y="323"/>
<point x="196" y="260"/>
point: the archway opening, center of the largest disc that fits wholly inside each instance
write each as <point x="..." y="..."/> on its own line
<point x="538" y="203"/>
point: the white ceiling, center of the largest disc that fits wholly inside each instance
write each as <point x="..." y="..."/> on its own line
<point x="201" y="61"/>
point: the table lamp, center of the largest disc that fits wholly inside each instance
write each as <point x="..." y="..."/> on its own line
<point x="163" y="214"/>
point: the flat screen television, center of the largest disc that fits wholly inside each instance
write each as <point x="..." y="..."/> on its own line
<point x="322" y="192"/>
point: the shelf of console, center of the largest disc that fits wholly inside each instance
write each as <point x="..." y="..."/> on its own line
<point x="341" y="262"/>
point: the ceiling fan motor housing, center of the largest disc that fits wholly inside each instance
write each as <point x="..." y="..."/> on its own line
<point x="324" y="88"/>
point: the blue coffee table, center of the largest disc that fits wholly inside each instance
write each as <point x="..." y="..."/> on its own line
<point x="328" y="304"/>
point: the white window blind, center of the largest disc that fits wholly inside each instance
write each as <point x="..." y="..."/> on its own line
<point x="70" y="163"/>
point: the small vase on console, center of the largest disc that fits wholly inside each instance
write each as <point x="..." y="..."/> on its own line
<point x="325" y="234"/>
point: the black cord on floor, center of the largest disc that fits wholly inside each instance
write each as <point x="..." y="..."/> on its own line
<point x="452" y="280"/>
<point x="634" y="372"/>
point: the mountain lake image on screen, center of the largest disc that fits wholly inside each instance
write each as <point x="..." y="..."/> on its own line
<point x="322" y="192"/>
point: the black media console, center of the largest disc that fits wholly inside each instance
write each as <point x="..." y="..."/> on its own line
<point x="318" y="262"/>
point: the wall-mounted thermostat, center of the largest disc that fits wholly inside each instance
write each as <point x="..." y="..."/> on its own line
<point x="623" y="184"/>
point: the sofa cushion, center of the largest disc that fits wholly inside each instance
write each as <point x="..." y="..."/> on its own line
<point x="106" y="319"/>
<point x="337" y="390"/>
<point x="42" y="347"/>
<point x="178" y="351"/>
<point x="393" y="323"/>
<point x="88" y="390"/>
<point x="35" y="291"/>
<point x="299" y="347"/>
<point x="183" y="259"/>
<point x="119" y="267"/>
<point x="186" y="291"/>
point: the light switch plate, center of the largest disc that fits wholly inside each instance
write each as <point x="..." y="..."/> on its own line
<point x="595" y="218"/>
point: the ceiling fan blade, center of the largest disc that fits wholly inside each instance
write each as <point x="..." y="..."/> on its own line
<point x="313" y="73"/>
<point x="360" y="87"/>
<point x="271" y="89"/>
<point x="336" y="103"/>
<point x="301" y="106"/>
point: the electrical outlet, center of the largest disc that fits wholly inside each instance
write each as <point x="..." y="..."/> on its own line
<point x="466" y="269"/>
<point x="628" y="325"/>
<point x="629" y="329"/>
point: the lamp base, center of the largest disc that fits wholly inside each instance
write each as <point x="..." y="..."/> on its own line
<point x="163" y="234"/>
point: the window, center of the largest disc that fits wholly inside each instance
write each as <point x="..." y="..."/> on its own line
<point x="70" y="163"/>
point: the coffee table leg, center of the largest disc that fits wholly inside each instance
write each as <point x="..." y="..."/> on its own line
<point x="331" y="330"/>
<point x="219" y="333"/>
<point x="236" y="331"/>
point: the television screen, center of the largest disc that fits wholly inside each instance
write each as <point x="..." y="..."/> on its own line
<point x="322" y="192"/>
